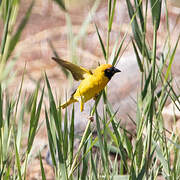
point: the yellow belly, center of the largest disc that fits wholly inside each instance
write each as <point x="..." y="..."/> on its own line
<point x="90" y="87"/>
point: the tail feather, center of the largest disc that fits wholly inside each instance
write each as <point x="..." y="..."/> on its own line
<point x="71" y="100"/>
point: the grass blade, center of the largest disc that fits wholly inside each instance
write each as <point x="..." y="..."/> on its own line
<point x="61" y="4"/>
<point x="52" y="105"/>
<point x="71" y="137"/>
<point x="17" y="35"/>
<point x="18" y="162"/>
<point x="171" y="59"/>
<point x="120" y="144"/>
<point x="6" y="27"/>
<point x="34" y="119"/>
<point x="101" y="145"/>
<point x="42" y="168"/>
<point x="137" y="57"/>
<point x="140" y="13"/>
<point x="85" y="162"/>
<point x="156" y="12"/>
<point x="101" y="42"/>
<point x="134" y="24"/>
<point x="119" y="49"/>
<point x="1" y="108"/>
<point x="111" y="14"/>
<point x="50" y="140"/>
<point x="147" y="83"/>
<point x="143" y="48"/>
<point x="65" y="140"/>
<point x="94" y="169"/>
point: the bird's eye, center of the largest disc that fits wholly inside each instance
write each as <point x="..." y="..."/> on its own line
<point x="107" y="70"/>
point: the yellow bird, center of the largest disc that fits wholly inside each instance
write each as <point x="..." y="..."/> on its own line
<point x="93" y="82"/>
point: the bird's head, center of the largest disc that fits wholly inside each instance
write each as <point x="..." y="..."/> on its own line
<point x="108" y="70"/>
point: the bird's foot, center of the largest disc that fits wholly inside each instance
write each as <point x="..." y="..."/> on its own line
<point x="91" y="118"/>
<point x="95" y="97"/>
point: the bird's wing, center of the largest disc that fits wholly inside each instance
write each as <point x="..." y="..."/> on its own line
<point x="78" y="72"/>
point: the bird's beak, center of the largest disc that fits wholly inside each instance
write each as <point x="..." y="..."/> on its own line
<point x="116" y="70"/>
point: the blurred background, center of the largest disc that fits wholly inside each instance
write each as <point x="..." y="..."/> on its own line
<point x="73" y="35"/>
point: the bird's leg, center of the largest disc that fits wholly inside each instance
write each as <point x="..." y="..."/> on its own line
<point x="81" y="106"/>
<point x="95" y="97"/>
<point x="82" y="103"/>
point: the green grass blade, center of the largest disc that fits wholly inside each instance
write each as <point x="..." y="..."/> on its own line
<point x="18" y="33"/>
<point x="109" y="9"/>
<point x="105" y="142"/>
<point x="42" y="168"/>
<point x="61" y="4"/>
<point x="143" y="171"/>
<point x="59" y="150"/>
<point x="34" y="119"/>
<point x="20" y="89"/>
<point x="119" y="50"/>
<point x="139" y="152"/>
<point x="71" y="137"/>
<point x="111" y="15"/>
<point x="161" y="157"/>
<point x="53" y="108"/>
<point x="101" y="42"/>
<point x="156" y="12"/>
<point x="33" y="109"/>
<point x="147" y="83"/>
<point x="21" y="118"/>
<point x="101" y="145"/>
<point x="3" y="168"/>
<point x="1" y="108"/>
<point x="65" y="140"/>
<point x="135" y="26"/>
<point x="137" y="57"/>
<point x="137" y="33"/>
<point x="18" y="162"/>
<point x="20" y="127"/>
<point x="171" y="59"/>
<point x="120" y="144"/>
<point x="85" y="136"/>
<point x="85" y="162"/>
<point x="140" y="13"/>
<point x="94" y="169"/>
<point x="128" y="145"/>
<point x="96" y="103"/>
<point x="6" y="27"/>
<point x="50" y="140"/>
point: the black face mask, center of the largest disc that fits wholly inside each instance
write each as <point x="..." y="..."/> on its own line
<point x="110" y="72"/>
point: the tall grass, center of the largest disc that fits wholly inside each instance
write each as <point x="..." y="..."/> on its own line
<point x="14" y="111"/>
<point x="9" y="12"/>
<point x="13" y="114"/>
<point x="151" y="153"/>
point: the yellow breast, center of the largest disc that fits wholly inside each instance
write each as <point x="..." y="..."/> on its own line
<point x="91" y="86"/>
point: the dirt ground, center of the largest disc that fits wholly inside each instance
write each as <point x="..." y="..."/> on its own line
<point x="49" y="22"/>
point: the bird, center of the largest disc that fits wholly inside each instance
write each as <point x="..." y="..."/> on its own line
<point x="93" y="81"/>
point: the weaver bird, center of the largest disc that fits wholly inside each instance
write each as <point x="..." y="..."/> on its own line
<point x="93" y="81"/>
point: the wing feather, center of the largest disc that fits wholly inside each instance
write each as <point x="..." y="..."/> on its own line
<point x="78" y="72"/>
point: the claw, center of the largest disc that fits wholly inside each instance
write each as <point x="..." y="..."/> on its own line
<point x="95" y="97"/>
